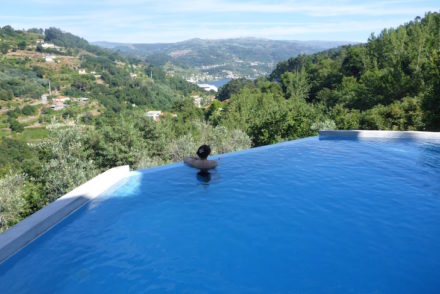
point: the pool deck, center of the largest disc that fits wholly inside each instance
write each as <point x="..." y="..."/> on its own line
<point x="17" y="237"/>
<point x="358" y="134"/>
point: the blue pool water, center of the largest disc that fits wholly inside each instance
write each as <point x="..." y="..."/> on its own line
<point x="306" y="216"/>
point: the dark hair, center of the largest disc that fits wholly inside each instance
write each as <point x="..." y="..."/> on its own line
<point x="203" y="151"/>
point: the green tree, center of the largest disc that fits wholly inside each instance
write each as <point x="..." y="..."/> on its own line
<point x="21" y="45"/>
<point x="232" y="87"/>
<point x="29" y="110"/>
<point x="431" y="106"/>
<point x="4" y="47"/>
<point x="67" y="164"/>
<point x="117" y="142"/>
<point x="353" y="64"/>
<point x="295" y="85"/>
<point x="15" y="126"/>
<point x="6" y="94"/>
<point x="12" y="202"/>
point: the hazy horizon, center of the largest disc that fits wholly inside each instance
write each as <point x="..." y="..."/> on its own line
<point x="170" y="21"/>
<point x="222" y="39"/>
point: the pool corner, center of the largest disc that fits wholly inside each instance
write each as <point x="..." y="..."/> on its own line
<point x="24" y="232"/>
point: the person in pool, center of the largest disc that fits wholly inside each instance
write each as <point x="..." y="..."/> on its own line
<point x="202" y="161"/>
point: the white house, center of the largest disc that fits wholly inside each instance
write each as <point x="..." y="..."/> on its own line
<point x="58" y="106"/>
<point x="50" y="46"/>
<point x="80" y="99"/>
<point x="133" y="75"/>
<point x="61" y="99"/>
<point x="154" y="114"/>
<point x="44" y="98"/>
<point x="82" y="71"/>
<point x="198" y="101"/>
<point x="49" y="58"/>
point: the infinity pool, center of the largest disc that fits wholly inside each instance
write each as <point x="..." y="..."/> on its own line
<point x="306" y="216"/>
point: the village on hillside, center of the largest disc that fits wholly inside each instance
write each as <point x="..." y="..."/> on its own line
<point x="28" y="114"/>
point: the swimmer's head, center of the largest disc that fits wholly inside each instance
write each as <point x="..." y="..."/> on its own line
<point x="203" y="151"/>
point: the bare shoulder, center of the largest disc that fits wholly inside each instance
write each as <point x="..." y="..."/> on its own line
<point x="189" y="159"/>
<point x="213" y="163"/>
<point x="200" y="163"/>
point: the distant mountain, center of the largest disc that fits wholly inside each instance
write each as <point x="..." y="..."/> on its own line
<point x="210" y="59"/>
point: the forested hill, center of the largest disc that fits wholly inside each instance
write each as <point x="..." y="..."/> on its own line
<point x="30" y="59"/>
<point x="244" y="57"/>
<point x="395" y="76"/>
<point x="392" y="82"/>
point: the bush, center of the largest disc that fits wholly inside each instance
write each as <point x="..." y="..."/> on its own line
<point x="6" y="94"/>
<point x="220" y="139"/>
<point x="11" y="201"/>
<point x="117" y="142"/>
<point x="328" y="124"/>
<point x="87" y="118"/>
<point x="67" y="165"/>
<point x="29" y="110"/>
<point x="15" y="126"/>
<point x="21" y="45"/>
<point x="146" y="162"/>
<point x="4" y="48"/>
<point x="182" y="147"/>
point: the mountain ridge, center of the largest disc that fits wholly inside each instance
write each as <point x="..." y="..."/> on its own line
<point x="110" y="44"/>
<point x="207" y="59"/>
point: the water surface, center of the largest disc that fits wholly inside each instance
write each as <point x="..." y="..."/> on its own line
<point x="307" y="216"/>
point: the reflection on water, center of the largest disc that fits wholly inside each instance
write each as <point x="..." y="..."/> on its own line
<point x="431" y="155"/>
<point x="204" y="176"/>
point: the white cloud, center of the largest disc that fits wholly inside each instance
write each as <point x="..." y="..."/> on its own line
<point x="313" y="8"/>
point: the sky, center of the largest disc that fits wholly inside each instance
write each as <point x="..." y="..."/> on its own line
<point x="147" y="21"/>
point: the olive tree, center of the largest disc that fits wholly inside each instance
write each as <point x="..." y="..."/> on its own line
<point x="12" y="202"/>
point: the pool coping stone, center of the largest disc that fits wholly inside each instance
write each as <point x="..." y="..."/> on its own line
<point x="361" y="134"/>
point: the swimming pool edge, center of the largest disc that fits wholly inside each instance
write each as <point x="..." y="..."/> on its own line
<point x="375" y="134"/>
<point x="27" y="230"/>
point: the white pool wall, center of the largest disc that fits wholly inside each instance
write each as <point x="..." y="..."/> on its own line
<point x="415" y="135"/>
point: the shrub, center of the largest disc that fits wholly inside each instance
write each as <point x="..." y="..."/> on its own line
<point x="16" y="126"/>
<point x="11" y="201"/>
<point x="67" y="165"/>
<point x="181" y="147"/>
<point x="29" y="110"/>
<point x="220" y="139"/>
<point x="6" y="94"/>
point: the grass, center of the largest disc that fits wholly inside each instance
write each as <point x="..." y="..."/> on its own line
<point x="32" y="134"/>
<point x="28" y="135"/>
<point x="4" y="133"/>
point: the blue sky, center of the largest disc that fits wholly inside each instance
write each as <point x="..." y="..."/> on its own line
<point x="146" y="21"/>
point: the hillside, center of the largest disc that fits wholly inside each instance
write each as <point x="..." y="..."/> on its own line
<point x="393" y="79"/>
<point x="226" y="58"/>
<point x="30" y="60"/>
<point x="390" y="83"/>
